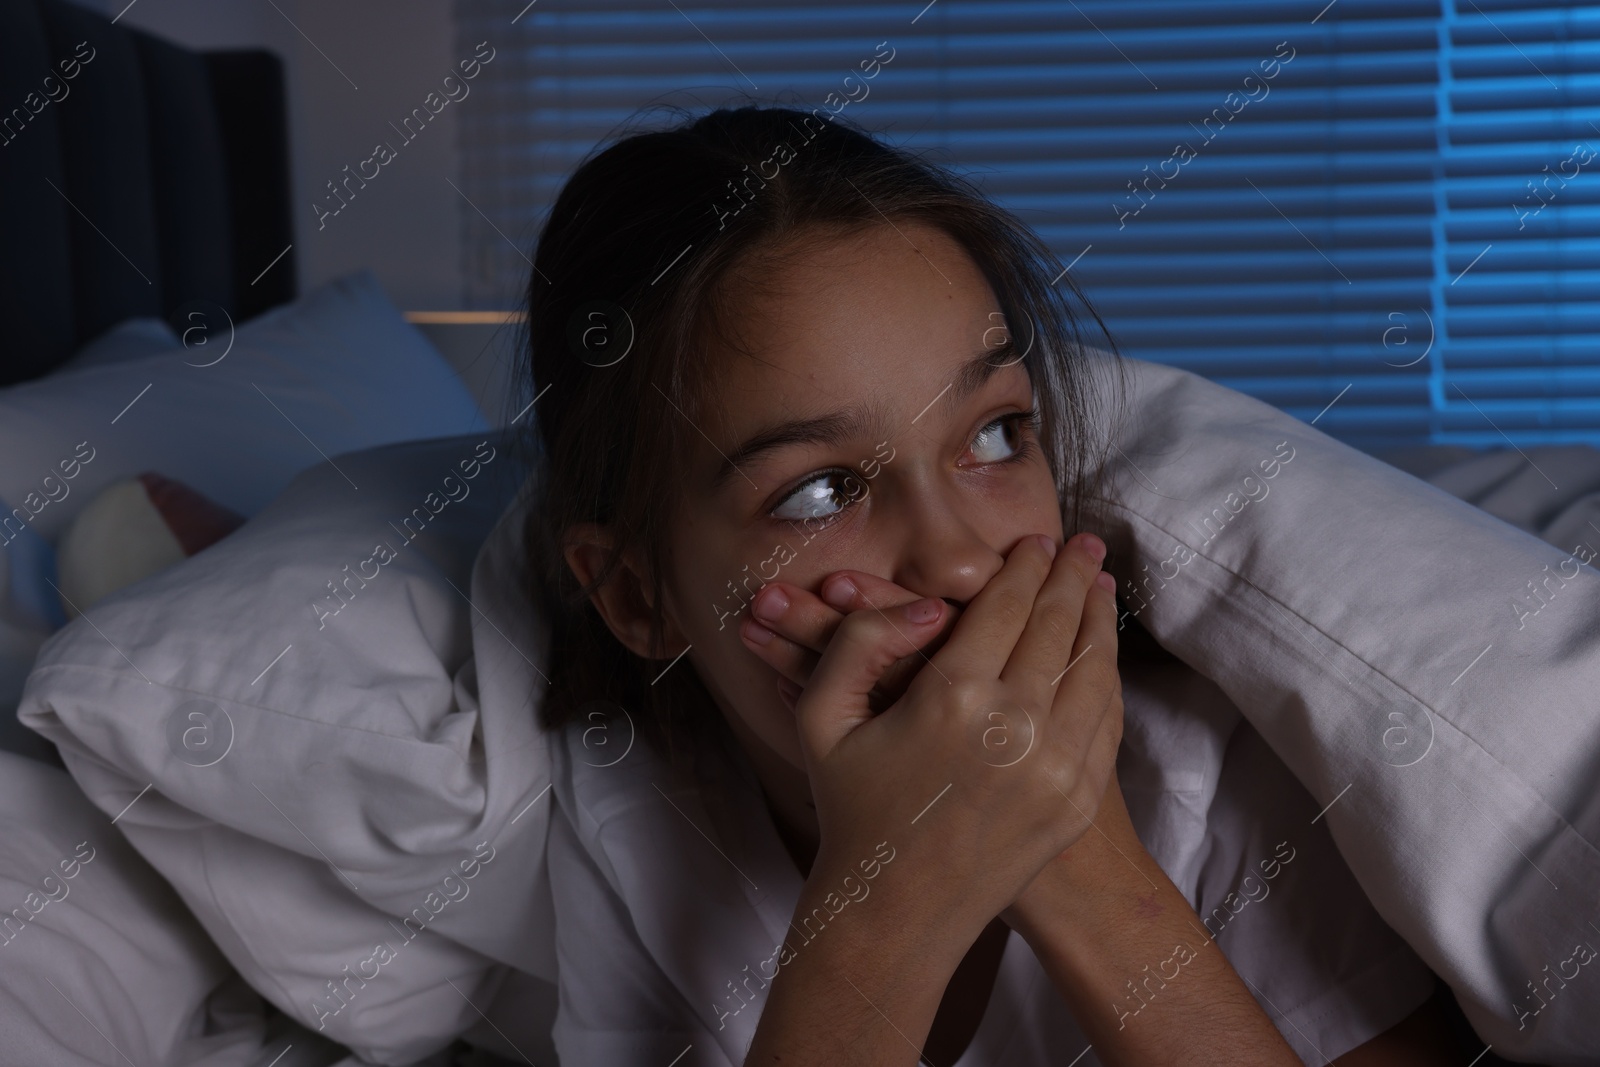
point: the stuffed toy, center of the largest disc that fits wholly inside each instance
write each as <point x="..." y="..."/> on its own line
<point x="132" y="530"/>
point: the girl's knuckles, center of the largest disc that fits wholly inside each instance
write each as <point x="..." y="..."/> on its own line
<point x="1107" y="679"/>
<point x="966" y="698"/>
<point x="857" y="626"/>
<point x="1009" y="603"/>
<point x="1057" y="623"/>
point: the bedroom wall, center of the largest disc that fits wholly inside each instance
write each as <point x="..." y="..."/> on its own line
<point x="353" y="68"/>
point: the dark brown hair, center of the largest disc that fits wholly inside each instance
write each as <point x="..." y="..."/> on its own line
<point x="635" y="257"/>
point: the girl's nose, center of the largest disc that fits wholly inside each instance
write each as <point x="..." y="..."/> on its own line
<point x="943" y="555"/>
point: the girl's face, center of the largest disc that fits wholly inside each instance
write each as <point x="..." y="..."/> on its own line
<point x="873" y="423"/>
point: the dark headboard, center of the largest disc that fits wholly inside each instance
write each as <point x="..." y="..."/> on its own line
<point x="153" y="178"/>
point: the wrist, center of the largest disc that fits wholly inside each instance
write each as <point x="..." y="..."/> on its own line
<point x="1102" y="867"/>
<point x="894" y="961"/>
<point x="884" y="896"/>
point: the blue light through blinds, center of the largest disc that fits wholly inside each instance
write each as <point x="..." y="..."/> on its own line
<point x="1389" y="206"/>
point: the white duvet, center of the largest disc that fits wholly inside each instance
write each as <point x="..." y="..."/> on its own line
<point x="1360" y="625"/>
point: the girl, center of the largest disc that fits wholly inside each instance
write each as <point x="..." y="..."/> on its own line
<point x="816" y="420"/>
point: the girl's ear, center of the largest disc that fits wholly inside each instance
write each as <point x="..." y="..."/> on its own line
<point x="624" y="601"/>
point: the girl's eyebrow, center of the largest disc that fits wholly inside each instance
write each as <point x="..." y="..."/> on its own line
<point x="858" y="422"/>
<point x="978" y="370"/>
<point x="831" y="429"/>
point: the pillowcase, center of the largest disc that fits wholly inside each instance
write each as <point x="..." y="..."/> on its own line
<point x="133" y="530"/>
<point x="27" y="571"/>
<point x="86" y="926"/>
<point x="338" y="370"/>
<point x="29" y="611"/>
<point x="129" y="339"/>
<point x="1426" y="670"/>
<point x="330" y="781"/>
<point x="29" y="605"/>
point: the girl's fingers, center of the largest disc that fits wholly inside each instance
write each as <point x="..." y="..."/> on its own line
<point x="809" y="619"/>
<point x="859" y="591"/>
<point x="848" y="591"/>
<point x="1090" y="685"/>
<point x="795" y="614"/>
<point x="1099" y="753"/>
<point x="1107" y="739"/>
<point x="788" y="627"/>
<point x="791" y="660"/>
<point x="994" y="619"/>
<point x="864" y="646"/>
<point x="1055" y="619"/>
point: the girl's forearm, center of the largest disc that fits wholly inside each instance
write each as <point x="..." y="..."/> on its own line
<point x="864" y="988"/>
<point x="1127" y="952"/>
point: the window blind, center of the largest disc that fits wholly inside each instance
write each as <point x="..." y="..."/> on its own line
<point x="1380" y="215"/>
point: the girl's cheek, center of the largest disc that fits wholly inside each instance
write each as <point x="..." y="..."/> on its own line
<point x="1029" y="501"/>
<point x="859" y="540"/>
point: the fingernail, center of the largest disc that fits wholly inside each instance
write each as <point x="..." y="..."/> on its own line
<point x="1094" y="546"/>
<point x="1049" y="544"/>
<point x="1106" y="582"/>
<point x="921" y="611"/>
<point x="839" y="593"/>
<point x="754" y="632"/>
<point x="770" y="604"/>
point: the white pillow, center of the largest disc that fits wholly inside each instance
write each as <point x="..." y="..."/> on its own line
<point x="1367" y="624"/>
<point x="321" y="767"/>
<point x="27" y="569"/>
<point x="101" y="961"/>
<point x="338" y="370"/>
<point x="30" y="608"/>
<point x="29" y="611"/>
<point x="129" y="339"/>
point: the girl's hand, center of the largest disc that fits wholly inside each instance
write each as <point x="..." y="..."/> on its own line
<point x="924" y="773"/>
<point x="790" y="627"/>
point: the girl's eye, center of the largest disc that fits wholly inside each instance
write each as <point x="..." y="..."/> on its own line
<point x="1000" y="440"/>
<point x="822" y="497"/>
